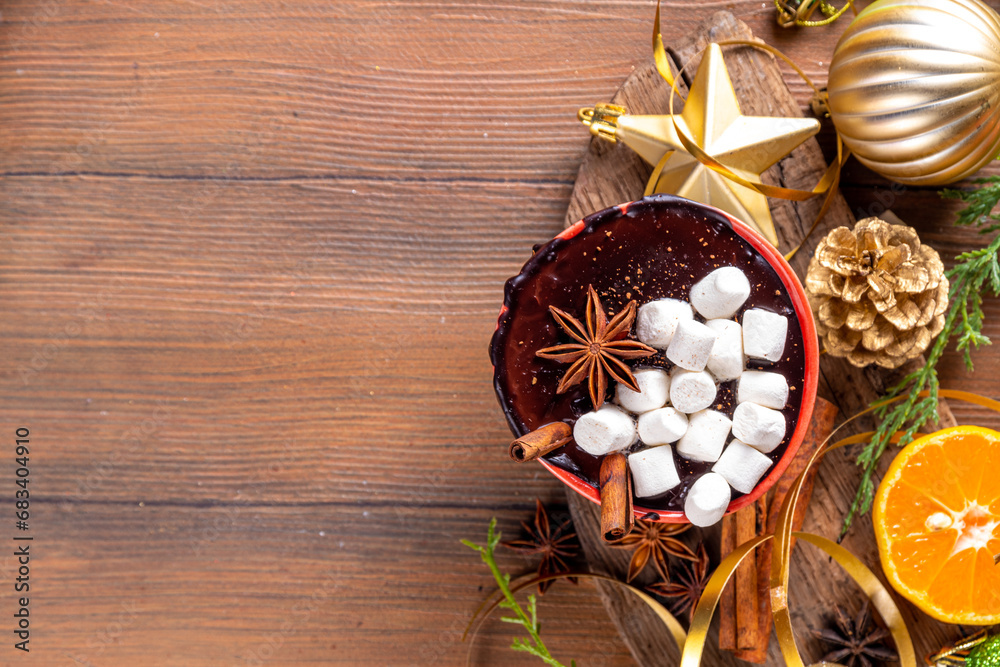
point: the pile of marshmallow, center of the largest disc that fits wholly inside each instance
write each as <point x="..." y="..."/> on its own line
<point x="675" y="408"/>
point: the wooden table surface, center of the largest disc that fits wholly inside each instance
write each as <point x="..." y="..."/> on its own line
<point x="252" y="258"/>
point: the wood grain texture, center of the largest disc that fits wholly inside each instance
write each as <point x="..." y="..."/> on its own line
<point x="252" y="256"/>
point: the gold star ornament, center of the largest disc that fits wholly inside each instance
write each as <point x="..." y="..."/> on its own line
<point x="746" y="145"/>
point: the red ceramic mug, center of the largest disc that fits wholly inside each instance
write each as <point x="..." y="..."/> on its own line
<point x="644" y="250"/>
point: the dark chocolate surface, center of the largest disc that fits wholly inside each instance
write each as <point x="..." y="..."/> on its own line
<point x="657" y="249"/>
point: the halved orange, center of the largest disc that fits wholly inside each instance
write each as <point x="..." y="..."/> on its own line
<point x="937" y="523"/>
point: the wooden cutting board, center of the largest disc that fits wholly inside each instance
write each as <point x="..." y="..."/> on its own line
<point x="612" y="174"/>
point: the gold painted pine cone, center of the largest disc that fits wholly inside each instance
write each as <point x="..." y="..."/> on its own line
<point x="878" y="294"/>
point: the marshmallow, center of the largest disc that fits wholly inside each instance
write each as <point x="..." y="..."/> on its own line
<point x="654" y="389"/>
<point x="607" y="430"/>
<point x="726" y="361"/>
<point x="691" y="345"/>
<point x="742" y="466"/>
<point x="653" y="471"/>
<point x="705" y="437"/>
<point x="721" y="293"/>
<point x="691" y="391"/>
<point x="657" y="320"/>
<point x="760" y="427"/>
<point x="764" y="334"/>
<point x="663" y="426"/>
<point x="708" y="499"/>
<point x="767" y="389"/>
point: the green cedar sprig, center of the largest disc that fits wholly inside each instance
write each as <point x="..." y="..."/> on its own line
<point x="980" y="204"/>
<point x="974" y="271"/>
<point x="534" y="644"/>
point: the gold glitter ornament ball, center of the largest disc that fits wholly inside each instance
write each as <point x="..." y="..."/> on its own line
<point x="878" y="293"/>
<point x="914" y="89"/>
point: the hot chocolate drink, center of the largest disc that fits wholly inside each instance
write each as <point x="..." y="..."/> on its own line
<point x="710" y="333"/>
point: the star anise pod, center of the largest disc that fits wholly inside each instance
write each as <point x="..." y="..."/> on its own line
<point x="553" y="545"/>
<point x="687" y="585"/>
<point x="656" y="540"/>
<point x="600" y="347"/>
<point x="857" y="640"/>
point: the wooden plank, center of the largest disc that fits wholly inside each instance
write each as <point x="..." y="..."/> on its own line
<point x="611" y="174"/>
<point x="291" y="223"/>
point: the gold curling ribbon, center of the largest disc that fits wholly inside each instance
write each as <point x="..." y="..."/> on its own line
<point x="660" y="52"/>
<point x="789" y="15"/>
<point x="483" y="611"/>
<point x="857" y="570"/>
<point x="827" y="184"/>
<point x="693" y="644"/>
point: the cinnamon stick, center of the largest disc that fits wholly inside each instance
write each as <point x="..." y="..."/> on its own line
<point x="747" y="609"/>
<point x="824" y="414"/>
<point x="541" y="441"/>
<point x="739" y="612"/>
<point x="727" y="603"/>
<point x="617" y="518"/>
